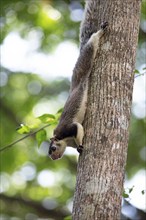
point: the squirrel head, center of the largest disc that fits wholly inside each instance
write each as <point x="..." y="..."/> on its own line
<point x="56" y="148"/>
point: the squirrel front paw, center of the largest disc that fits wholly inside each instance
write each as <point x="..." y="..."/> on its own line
<point x="80" y="149"/>
<point x="104" y="25"/>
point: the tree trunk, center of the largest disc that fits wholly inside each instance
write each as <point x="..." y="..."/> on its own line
<point x="101" y="166"/>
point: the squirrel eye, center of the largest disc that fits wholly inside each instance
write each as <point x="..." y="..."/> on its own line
<point x="53" y="148"/>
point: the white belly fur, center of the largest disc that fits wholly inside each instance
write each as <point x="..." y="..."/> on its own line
<point x="81" y="112"/>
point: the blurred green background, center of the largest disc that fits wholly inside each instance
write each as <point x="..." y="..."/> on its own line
<point x="39" y="46"/>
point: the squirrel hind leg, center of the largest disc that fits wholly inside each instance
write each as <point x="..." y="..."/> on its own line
<point x="97" y="35"/>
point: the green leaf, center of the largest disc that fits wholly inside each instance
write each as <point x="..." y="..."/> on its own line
<point x="60" y="111"/>
<point x="143" y="192"/>
<point x="136" y="71"/>
<point x="144" y="68"/>
<point x="41" y="136"/>
<point x="23" y="129"/>
<point x="47" y="118"/>
<point x="125" y="195"/>
<point x="58" y="114"/>
<point x="131" y="189"/>
<point x="68" y="218"/>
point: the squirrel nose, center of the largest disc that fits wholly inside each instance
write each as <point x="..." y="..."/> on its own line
<point x="50" y="152"/>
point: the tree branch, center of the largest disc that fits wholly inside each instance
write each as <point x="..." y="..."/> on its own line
<point x="101" y="166"/>
<point x="19" y="140"/>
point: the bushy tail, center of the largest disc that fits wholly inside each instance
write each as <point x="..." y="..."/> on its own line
<point x="92" y="20"/>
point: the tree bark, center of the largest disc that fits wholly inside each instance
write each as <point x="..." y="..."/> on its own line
<point x="101" y="166"/>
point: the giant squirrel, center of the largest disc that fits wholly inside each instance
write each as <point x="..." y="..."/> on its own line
<point x="69" y="131"/>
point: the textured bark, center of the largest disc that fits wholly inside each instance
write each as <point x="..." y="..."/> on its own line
<point x="101" y="166"/>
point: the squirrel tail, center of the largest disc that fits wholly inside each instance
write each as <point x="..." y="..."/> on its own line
<point x="90" y="23"/>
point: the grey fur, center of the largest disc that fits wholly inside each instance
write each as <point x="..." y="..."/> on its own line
<point x="89" y="24"/>
<point x="69" y="131"/>
<point x="78" y="86"/>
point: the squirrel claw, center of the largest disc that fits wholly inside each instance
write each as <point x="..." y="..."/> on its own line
<point x="80" y="149"/>
<point x="104" y="25"/>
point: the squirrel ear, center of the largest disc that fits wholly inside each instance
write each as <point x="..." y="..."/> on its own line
<point x="51" y="143"/>
<point x="53" y="138"/>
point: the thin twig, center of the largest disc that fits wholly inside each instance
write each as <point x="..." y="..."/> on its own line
<point x="141" y="74"/>
<point x="26" y="136"/>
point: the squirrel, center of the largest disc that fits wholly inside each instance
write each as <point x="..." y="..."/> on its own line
<point x="69" y="131"/>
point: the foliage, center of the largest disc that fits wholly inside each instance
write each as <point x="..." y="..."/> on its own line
<point x="126" y="193"/>
<point x="52" y="22"/>
<point x="135" y="159"/>
<point x="32" y="184"/>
